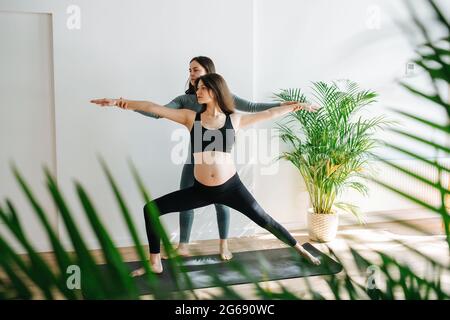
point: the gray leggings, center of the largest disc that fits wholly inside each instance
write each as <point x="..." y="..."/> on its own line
<point x="187" y="216"/>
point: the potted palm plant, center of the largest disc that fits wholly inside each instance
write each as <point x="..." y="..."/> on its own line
<point x="330" y="148"/>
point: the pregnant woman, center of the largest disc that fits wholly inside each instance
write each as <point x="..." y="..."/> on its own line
<point x="215" y="176"/>
<point x="198" y="67"/>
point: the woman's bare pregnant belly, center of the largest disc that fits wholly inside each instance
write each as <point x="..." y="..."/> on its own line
<point x="213" y="168"/>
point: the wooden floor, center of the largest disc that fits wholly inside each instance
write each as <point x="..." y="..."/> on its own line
<point x="425" y="234"/>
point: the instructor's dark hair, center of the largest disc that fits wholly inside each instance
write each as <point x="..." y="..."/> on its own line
<point x="207" y="64"/>
<point x="216" y="83"/>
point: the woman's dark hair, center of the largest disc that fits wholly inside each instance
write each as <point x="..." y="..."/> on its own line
<point x="219" y="88"/>
<point x="207" y="64"/>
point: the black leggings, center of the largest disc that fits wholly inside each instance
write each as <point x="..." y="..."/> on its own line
<point x="232" y="193"/>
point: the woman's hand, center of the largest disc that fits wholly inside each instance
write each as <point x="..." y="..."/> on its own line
<point x="106" y="102"/>
<point x="305" y="106"/>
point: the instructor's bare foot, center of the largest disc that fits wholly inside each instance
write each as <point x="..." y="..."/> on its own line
<point x="182" y="250"/>
<point x="307" y="255"/>
<point x="225" y="253"/>
<point x="155" y="266"/>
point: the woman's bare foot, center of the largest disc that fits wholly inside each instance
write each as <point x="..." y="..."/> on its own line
<point x="307" y="255"/>
<point x="225" y="254"/>
<point x="155" y="266"/>
<point x="138" y="272"/>
<point x="182" y="250"/>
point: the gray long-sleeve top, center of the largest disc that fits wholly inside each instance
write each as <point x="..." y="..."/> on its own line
<point x="189" y="101"/>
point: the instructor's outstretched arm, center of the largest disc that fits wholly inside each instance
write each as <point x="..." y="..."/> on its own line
<point x="182" y="116"/>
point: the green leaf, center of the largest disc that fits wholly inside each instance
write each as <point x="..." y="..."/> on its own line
<point x="93" y="283"/>
<point x="62" y="258"/>
<point x="151" y="277"/>
<point x="38" y="271"/>
<point x="123" y="286"/>
<point x="175" y="263"/>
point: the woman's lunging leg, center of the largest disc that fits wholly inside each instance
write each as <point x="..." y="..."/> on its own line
<point x="242" y="200"/>
<point x="185" y="199"/>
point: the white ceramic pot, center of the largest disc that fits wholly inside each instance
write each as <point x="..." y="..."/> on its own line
<point x="322" y="227"/>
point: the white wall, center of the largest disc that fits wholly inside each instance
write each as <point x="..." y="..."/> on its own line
<point x="26" y="113"/>
<point x="141" y="49"/>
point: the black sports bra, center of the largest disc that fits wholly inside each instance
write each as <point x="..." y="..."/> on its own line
<point x="203" y="139"/>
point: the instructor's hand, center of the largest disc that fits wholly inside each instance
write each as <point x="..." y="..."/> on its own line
<point x="300" y="106"/>
<point x="288" y="103"/>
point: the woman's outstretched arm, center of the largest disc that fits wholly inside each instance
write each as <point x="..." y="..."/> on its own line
<point x="179" y="102"/>
<point x="244" y="120"/>
<point x="182" y="116"/>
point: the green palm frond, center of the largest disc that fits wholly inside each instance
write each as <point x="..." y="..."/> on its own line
<point x="292" y="94"/>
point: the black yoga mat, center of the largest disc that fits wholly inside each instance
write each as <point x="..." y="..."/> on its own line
<point x="261" y="265"/>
